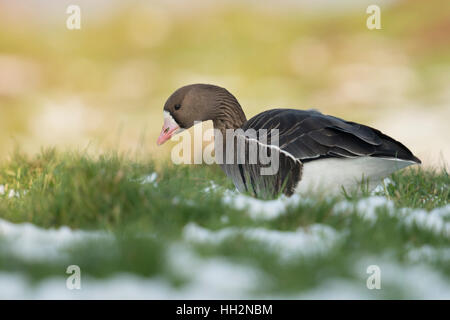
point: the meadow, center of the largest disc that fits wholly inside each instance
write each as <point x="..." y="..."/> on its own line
<point x="140" y="230"/>
<point x="82" y="182"/>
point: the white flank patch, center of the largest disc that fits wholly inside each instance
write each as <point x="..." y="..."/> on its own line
<point x="330" y="175"/>
<point x="316" y="239"/>
<point x="29" y="242"/>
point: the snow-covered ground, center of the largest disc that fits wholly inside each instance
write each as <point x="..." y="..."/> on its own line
<point x="218" y="277"/>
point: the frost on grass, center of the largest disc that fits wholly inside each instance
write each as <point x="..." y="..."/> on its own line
<point x="429" y="254"/>
<point x="219" y="279"/>
<point x="29" y="242"/>
<point x="366" y="208"/>
<point x="406" y="281"/>
<point x="260" y="209"/>
<point x="263" y="209"/>
<point x="271" y="209"/>
<point x="214" y="278"/>
<point x="213" y="187"/>
<point x="150" y="179"/>
<point x="436" y="220"/>
<point x="380" y="189"/>
<point x="222" y="278"/>
<point x="316" y="239"/>
<point x="411" y="281"/>
<point x="11" y="193"/>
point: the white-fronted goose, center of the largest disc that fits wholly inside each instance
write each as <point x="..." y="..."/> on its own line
<point x="315" y="151"/>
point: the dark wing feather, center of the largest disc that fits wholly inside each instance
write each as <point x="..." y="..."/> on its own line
<point x="248" y="176"/>
<point x="304" y="136"/>
<point x="309" y="135"/>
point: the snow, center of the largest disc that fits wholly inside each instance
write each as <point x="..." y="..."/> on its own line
<point x="263" y="209"/>
<point x="435" y="221"/>
<point x="414" y="282"/>
<point x="213" y="278"/>
<point x="151" y="179"/>
<point x="29" y="242"/>
<point x="429" y="254"/>
<point x="368" y="208"/>
<point x="11" y="194"/>
<point x="381" y="188"/>
<point x="219" y="279"/>
<point x="212" y="187"/>
<point x="314" y="240"/>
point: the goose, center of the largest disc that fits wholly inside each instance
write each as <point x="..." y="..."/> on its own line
<point x="314" y="152"/>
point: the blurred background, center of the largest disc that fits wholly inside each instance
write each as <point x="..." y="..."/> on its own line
<point x="103" y="86"/>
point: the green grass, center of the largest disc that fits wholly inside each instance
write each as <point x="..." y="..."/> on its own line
<point x="106" y="193"/>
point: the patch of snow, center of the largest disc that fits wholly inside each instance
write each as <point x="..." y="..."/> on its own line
<point x="428" y="254"/>
<point x="29" y="242"/>
<point x="368" y="208"/>
<point x="212" y="187"/>
<point x="213" y="278"/>
<point x="13" y="194"/>
<point x="316" y="239"/>
<point x="217" y="278"/>
<point x="434" y="220"/>
<point x="151" y="178"/>
<point x="413" y="281"/>
<point x="177" y="201"/>
<point x="337" y="289"/>
<point x="381" y="188"/>
<point x="224" y="219"/>
<point x="263" y="209"/>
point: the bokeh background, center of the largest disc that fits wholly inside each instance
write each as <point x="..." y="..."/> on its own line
<point x="103" y="87"/>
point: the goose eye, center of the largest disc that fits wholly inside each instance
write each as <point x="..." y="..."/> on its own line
<point x="177" y="106"/>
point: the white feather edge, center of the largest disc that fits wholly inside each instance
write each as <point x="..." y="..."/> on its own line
<point x="333" y="174"/>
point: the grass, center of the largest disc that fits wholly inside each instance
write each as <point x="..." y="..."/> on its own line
<point x="145" y="219"/>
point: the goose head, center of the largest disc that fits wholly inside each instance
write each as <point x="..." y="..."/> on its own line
<point x="196" y="103"/>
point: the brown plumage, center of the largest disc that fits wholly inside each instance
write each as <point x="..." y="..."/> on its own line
<point x="304" y="136"/>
